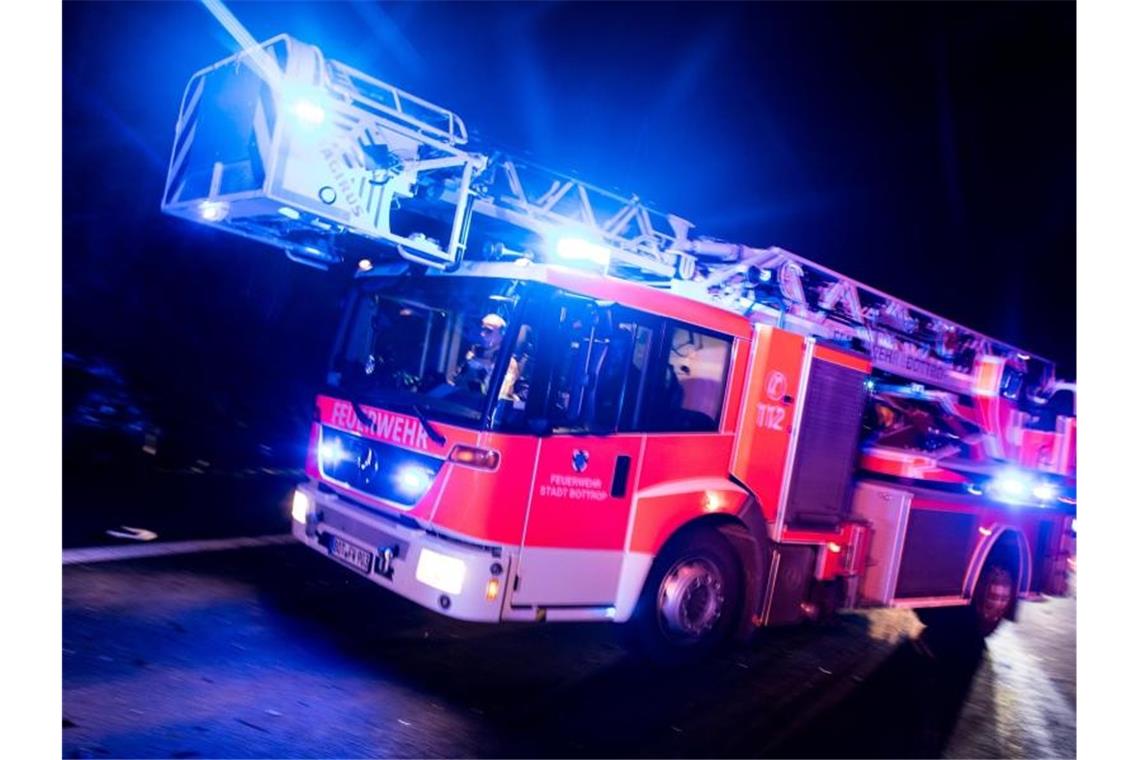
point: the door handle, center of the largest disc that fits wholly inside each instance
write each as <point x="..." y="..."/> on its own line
<point x="621" y="476"/>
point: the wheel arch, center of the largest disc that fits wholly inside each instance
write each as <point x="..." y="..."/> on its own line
<point x="747" y="532"/>
<point x="1008" y="543"/>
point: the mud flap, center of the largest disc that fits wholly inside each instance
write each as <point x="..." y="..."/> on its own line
<point x="789" y="585"/>
<point x="753" y="546"/>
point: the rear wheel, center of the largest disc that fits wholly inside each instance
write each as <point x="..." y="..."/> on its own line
<point x="691" y="599"/>
<point x="993" y="599"/>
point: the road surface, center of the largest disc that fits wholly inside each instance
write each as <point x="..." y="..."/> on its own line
<point x="273" y="651"/>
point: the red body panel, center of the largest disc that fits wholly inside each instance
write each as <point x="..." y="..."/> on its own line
<point x="573" y="504"/>
<point x="659" y="517"/>
<point x="485" y="505"/>
<point x="767" y="410"/>
<point x="488" y="505"/>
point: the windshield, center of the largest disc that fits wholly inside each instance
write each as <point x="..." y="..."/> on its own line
<point x="430" y="343"/>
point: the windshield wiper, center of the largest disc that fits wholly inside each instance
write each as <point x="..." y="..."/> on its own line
<point x="432" y="433"/>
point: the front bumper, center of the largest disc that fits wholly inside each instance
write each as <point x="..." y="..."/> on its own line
<point x="399" y="563"/>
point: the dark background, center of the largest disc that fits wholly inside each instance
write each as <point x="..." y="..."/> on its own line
<point x="925" y="149"/>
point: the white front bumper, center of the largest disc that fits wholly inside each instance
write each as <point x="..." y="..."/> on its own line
<point x="332" y="516"/>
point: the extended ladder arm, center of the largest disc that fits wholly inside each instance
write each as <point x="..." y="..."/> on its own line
<point x="280" y="145"/>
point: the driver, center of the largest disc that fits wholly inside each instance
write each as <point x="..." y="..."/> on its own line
<point x="480" y="360"/>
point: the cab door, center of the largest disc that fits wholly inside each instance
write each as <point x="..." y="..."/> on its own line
<point x="586" y="468"/>
<point x="577" y="520"/>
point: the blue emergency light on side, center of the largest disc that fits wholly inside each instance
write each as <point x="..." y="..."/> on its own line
<point x="307" y="110"/>
<point x="1015" y="486"/>
<point x="581" y="249"/>
<point x="379" y="469"/>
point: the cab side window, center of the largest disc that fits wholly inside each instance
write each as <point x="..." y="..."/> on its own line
<point x="587" y="366"/>
<point x="600" y="362"/>
<point x="687" y="381"/>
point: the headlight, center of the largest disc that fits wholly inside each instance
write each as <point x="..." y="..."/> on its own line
<point x="440" y="571"/>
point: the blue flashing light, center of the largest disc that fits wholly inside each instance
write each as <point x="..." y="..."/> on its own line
<point x="306" y="104"/>
<point x="412" y="481"/>
<point x="333" y="453"/>
<point x="1011" y="486"/>
<point x="1045" y="491"/>
<point x="1014" y="486"/>
<point x="213" y="211"/>
<point x="307" y="111"/>
<point x="611" y="612"/>
<point x="580" y="249"/>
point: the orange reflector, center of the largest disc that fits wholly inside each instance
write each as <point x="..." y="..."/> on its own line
<point x="713" y="501"/>
<point x="492" y="590"/>
<point x="472" y="456"/>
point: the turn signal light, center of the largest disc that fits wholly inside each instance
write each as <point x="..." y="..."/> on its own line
<point x="492" y="592"/>
<point x="472" y="456"/>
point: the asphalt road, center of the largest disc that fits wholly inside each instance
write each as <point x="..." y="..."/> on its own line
<point x="277" y="652"/>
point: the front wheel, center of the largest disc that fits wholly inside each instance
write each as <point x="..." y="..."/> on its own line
<point x="691" y="599"/>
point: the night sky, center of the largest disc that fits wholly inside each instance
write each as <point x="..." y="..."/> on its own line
<point x="925" y="149"/>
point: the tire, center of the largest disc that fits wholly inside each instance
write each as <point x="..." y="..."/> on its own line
<point x="994" y="596"/>
<point x="691" y="599"/>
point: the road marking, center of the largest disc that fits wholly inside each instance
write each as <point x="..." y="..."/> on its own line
<point x="115" y="553"/>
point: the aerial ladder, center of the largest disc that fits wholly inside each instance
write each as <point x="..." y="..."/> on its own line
<point x="279" y="144"/>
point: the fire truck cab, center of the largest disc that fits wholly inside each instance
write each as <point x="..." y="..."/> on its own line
<point x="571" y="438"/>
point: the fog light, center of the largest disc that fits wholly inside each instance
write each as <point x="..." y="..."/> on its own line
<point x="440" y="571"/>
<point x="492" y="592"/>
<point x="301" y="506"/>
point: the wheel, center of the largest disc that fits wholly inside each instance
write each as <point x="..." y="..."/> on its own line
<point x="691" y="599"/>
<point x="994" y="595"/>
<point x="993" y="598"/>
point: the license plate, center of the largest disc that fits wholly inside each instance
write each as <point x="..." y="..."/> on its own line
<point x="351" y="554"/>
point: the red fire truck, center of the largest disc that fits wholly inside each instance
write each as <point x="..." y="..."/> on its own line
<point x="547" y="402"/>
